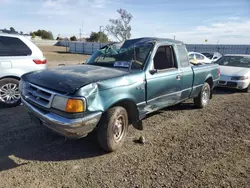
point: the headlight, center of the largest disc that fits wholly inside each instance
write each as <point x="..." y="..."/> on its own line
<point x="71" y="105"/>
<point x="239" y="78"/>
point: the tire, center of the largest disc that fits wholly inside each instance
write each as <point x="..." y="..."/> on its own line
<point x="248" y="89"/>
<point x="9" y="88"/>
<point x="113" y="129"/>
<point x="203" y="98"/>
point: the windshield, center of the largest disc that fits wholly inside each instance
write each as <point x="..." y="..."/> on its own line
<point x="234" y="61"/>
<point x="132" y="57"/>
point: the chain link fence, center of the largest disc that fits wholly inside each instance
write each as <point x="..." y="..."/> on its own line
<point x="89" y="48"/>
<point x="223" y="49"/>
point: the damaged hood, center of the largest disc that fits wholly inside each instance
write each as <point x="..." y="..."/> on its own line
<point x="70" y="78"/>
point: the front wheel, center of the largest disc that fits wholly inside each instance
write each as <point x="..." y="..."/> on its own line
<point x="248" y="89"/>
<point x="9" y="92"/>
<point x="203" y="98"/>
<point x="113" y="128"/>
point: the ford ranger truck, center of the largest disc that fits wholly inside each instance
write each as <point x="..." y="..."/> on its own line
<point x="116" y="87"/>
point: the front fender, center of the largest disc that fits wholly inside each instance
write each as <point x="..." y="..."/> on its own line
<point x="103" y="100"/>
<point x="99" y="99"/>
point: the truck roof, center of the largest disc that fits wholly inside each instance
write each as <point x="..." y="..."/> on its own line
<point x="142" y="40"/>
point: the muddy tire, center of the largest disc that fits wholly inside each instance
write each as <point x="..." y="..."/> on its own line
<point x="9" y="92"/>
<point x="203" y="98"/>
<point x="113" y="128"/>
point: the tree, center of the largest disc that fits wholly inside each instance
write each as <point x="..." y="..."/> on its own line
<point x="33" y="35"/>
<point x="73" y="38"/>
<point x="59" y="38"/>
<point x="120" y="27"/>
<point x="47" y="35"/>
<point x="97" y="37"/>
<point x="12" y="30"/>
<point x="44" y="34"/>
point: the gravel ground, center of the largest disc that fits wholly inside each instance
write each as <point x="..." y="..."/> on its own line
<point x="185" y="147"/>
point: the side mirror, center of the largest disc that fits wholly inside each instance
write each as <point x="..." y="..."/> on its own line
<point x="153" y="71"/>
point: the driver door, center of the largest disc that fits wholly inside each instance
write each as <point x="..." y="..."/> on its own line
<point x="164" y="80"/>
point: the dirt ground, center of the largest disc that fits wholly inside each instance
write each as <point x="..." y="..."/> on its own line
<point x="59" y="55"/>
<point x="185" y="147"/>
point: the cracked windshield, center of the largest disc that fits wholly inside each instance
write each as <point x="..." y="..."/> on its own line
<point x="130" y="57"/>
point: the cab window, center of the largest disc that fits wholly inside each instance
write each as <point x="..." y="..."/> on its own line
<point x="164" y="58"/>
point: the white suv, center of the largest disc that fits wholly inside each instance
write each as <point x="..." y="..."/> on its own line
<point x="18" y="55"/>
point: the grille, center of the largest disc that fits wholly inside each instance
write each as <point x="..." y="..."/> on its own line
<point x="222" y="82"/>
<point x="232" y="84"/>
<point x="38" y="95"/>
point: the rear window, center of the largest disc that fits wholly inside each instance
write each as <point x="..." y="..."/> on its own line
<point x="11" y="46"/>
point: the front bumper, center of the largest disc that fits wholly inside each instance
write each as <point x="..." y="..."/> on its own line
<point x="70" y="128"/>
<point x="237" y="84"/>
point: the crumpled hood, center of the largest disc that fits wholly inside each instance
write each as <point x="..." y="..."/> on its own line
<point x="234" y="71"/>
<point x="68" y="79"/>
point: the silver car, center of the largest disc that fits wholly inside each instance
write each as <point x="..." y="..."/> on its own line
<point x="18" y="55"/>
<point x="235" y="71"/>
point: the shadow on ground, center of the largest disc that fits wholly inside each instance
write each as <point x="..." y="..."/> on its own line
<point x="21" y="141"/>
<point x="46" y="146"/>
<point x="61" y="52"/>
<point x="223" y="91"/>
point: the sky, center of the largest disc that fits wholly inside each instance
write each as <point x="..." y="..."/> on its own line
<point x="191" y="21"/>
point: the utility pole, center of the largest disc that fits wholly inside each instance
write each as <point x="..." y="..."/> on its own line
<point x="80" y="34"/>
<point x="100" y="30"/>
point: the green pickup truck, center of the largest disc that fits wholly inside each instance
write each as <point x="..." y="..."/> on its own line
<point x="116" y="87"/>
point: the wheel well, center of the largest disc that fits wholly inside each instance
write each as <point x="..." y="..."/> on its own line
<point x="210" y="82"/>
<point x="131" y="109"/>
<point x="14" y="77"/>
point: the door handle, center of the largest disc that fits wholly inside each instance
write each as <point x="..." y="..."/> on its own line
<point x="178" y="77"/>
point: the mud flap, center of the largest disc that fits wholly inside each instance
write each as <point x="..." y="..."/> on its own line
<point x="138" y="125"/>
<point x="211" y="93"/>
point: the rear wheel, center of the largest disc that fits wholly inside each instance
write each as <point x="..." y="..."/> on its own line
<point x="9" y="92"/>
<point x="113" y="129"/>
<point x="203" y="98"/>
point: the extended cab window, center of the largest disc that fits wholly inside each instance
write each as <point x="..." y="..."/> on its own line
<point x="164" y="58"/>
<point x="183" y="56"/>
<point x="11" y="46"/>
